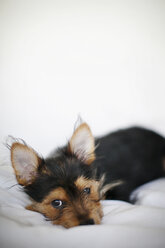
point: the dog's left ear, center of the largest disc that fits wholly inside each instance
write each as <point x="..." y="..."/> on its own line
<point x="25" y="162"/>
<point x="82" y="144"/>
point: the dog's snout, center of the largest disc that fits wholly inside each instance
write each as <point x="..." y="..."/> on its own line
<point x="87" y="222"/>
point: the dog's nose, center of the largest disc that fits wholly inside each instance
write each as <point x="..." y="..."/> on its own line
<point x="87" y="222"/>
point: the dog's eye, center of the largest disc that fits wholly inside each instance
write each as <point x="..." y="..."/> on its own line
<point x="87" y="191"/>
<point x="57" y="204"/>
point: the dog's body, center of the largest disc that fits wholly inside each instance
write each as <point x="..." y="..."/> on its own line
<point x="134" y="155"/>
<point x="67" y="186"/>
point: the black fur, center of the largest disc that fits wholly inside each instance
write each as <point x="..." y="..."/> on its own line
<point x="134" y="155"/>
<point x="64" y="170"/>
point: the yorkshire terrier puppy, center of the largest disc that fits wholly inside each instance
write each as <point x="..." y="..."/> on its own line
<point x="67" y="186"/>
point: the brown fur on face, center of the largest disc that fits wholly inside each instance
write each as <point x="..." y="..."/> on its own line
<point x="75" y="211"/>
<point x="66" y="177"/>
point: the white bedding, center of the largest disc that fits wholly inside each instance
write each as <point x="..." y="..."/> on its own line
<point x="123" y="225"/>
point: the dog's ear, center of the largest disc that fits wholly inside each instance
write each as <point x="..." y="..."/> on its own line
<point x="82" y="144"/>
<point x="25" y="162"/>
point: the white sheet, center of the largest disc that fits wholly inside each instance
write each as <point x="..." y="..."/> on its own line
<point x="123" y="225"/>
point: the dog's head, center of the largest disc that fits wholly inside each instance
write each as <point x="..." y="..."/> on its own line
<point x="62" y="187"/>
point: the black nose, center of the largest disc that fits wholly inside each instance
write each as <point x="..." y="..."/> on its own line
<point x="87" y="222"/>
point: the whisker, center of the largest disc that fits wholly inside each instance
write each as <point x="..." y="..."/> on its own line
<point x="12" y="186"/>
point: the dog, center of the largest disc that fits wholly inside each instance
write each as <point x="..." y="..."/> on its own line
<point x="68" y="185"/>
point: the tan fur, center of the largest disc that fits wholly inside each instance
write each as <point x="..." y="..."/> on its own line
<point x="22" y="178"/>
<point x="89" y="157"/>
<point x="76" y="210"/>
<point x="83" y="208"/>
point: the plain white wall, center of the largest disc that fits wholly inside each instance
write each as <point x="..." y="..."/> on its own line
<point x="104" y="60"/>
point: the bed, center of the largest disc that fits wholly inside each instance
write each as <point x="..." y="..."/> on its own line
<point x="123" y="225"/>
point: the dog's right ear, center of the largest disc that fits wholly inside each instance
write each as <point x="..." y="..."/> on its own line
<point x="25" y="162"/>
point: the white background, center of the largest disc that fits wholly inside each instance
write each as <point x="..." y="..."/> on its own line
<point x="104" y="60"/>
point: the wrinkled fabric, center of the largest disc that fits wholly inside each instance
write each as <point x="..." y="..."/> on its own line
<point x="123" y="224"/>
